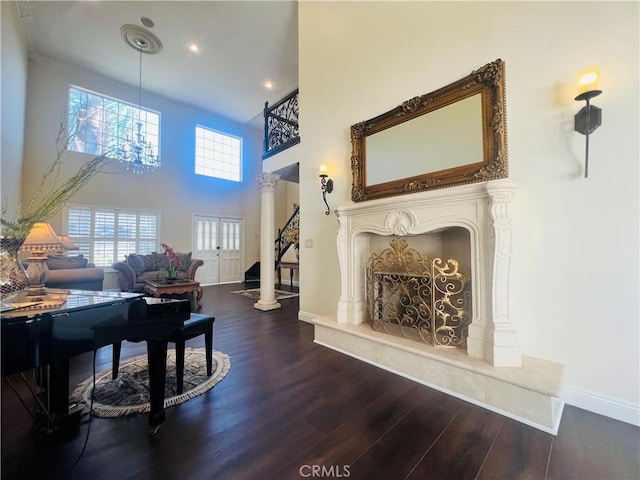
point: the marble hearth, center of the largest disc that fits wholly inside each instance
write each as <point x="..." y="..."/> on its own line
<point x="491" y="372"/>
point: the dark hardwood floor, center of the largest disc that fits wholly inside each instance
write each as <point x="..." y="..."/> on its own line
<point x="291" y="409"/>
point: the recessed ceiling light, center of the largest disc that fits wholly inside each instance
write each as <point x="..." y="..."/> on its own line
<point x="269" y="84"/>
<point x="194" y="47"/>
<point x="147" y="22"/>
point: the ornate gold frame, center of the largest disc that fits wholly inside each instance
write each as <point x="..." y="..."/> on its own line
<point x="489" y="82"/>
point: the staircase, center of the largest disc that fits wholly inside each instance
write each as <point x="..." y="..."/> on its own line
<point x="287" y="236"/>
<point x="280" y="133"/>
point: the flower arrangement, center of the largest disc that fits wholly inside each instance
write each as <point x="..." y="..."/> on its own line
<point x="292" y="236"/>
<point x="49" y="197"/>
<point x="174" y="262"/>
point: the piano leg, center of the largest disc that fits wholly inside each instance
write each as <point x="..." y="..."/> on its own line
<point x="157" y="358"/>
<point x="54" y="414"/>
<point x="59" y="387"/>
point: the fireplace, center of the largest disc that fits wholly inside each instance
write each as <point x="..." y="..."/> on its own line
<point x="470" y="223"/>
<point x="480" y="209"/>
<point x="418" y="296"/>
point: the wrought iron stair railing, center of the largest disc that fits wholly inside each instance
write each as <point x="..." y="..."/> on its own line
<point x="288" y="235"/>
<point x="281" y="125"/>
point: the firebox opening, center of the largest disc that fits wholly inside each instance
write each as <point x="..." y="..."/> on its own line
<point x="419" y="287"/>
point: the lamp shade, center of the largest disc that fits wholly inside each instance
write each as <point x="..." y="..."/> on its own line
<point x="42" y="238"/>
<point x="67" y="243"/>
<point x="588" y="80"/>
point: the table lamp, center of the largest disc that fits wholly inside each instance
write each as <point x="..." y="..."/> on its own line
<point x="67" y="244"/>
<point x="41" y="239"/>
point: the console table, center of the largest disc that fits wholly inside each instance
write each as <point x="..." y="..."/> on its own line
<point x="292" y="266"/>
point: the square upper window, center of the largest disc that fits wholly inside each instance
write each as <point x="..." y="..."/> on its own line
<point x="218" y="154"/>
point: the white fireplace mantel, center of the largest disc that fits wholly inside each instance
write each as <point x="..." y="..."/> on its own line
<point x="481" y="209"/>
<point x="492" y="372"/>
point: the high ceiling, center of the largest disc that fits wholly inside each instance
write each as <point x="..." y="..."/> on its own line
<point x="243" y="44"/>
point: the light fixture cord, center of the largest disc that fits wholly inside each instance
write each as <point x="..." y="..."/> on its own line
<point x="140" y="86"/>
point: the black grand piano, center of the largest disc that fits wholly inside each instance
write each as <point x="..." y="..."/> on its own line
<point x="43" y="331"/>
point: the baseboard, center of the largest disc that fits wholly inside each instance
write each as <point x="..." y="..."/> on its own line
<point x="602" y="405"/>
<point x="306" y="316"/>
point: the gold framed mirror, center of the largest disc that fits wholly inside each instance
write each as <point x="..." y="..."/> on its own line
<point x="452" y="136"/>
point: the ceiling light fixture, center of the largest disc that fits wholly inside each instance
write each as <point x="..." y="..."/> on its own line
<point x="194" y="47"/>
<point x="137" y="154"/>
<point x="269" y="85"/>
<point x="147" y="22"/>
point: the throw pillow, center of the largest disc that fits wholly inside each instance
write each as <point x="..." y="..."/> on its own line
<point x="160" y="261"/>
<point x="148" y="262"/>
<point x="185" y="259"/>
<point x="136" y="263"/>
<point x="61" y="262"/>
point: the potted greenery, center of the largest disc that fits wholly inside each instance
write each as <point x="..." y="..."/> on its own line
<point x="49" y="198"/>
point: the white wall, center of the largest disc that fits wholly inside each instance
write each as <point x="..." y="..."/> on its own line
<point x="575" y="291"/>
<point x="174" y="189"/>
<point x="13" y="100"/>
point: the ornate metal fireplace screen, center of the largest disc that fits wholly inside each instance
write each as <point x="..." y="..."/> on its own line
<point x="420" y="297"/>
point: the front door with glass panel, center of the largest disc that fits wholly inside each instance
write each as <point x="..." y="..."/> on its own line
<point x="218" y="242"/>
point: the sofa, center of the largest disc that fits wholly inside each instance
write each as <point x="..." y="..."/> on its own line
<point x="73" y="272"/>
<point x="135" y="269"/>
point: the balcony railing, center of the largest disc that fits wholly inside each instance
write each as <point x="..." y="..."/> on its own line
<point x="281" y="125"/>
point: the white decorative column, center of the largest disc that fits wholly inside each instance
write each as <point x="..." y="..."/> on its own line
<point x="268" y="183"/>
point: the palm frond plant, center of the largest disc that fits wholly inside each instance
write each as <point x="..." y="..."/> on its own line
<point x="51" y="193"/>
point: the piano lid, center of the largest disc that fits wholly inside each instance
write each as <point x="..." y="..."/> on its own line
<point x="29" y="305"/>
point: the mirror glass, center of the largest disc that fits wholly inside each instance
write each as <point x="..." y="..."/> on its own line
<point x="446" y="138"/>
<point x="451" y="136"/>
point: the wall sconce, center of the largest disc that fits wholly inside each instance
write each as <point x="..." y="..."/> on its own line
<point x="326" y="184"/>
<point x="589" y="118"/>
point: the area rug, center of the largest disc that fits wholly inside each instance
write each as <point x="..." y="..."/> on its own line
<point x="255" y="294"/>
<point x="129" y="393"/>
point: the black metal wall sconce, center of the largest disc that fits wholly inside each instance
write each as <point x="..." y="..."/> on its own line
<point x="326" y="185"/>
<point x="589" y="118"/>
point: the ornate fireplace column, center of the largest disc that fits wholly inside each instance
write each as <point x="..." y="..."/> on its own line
<point x="504" y="350"/>
<point x="268" y="183"/>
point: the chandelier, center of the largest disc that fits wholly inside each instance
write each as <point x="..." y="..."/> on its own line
<point x="137" y="153"/>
